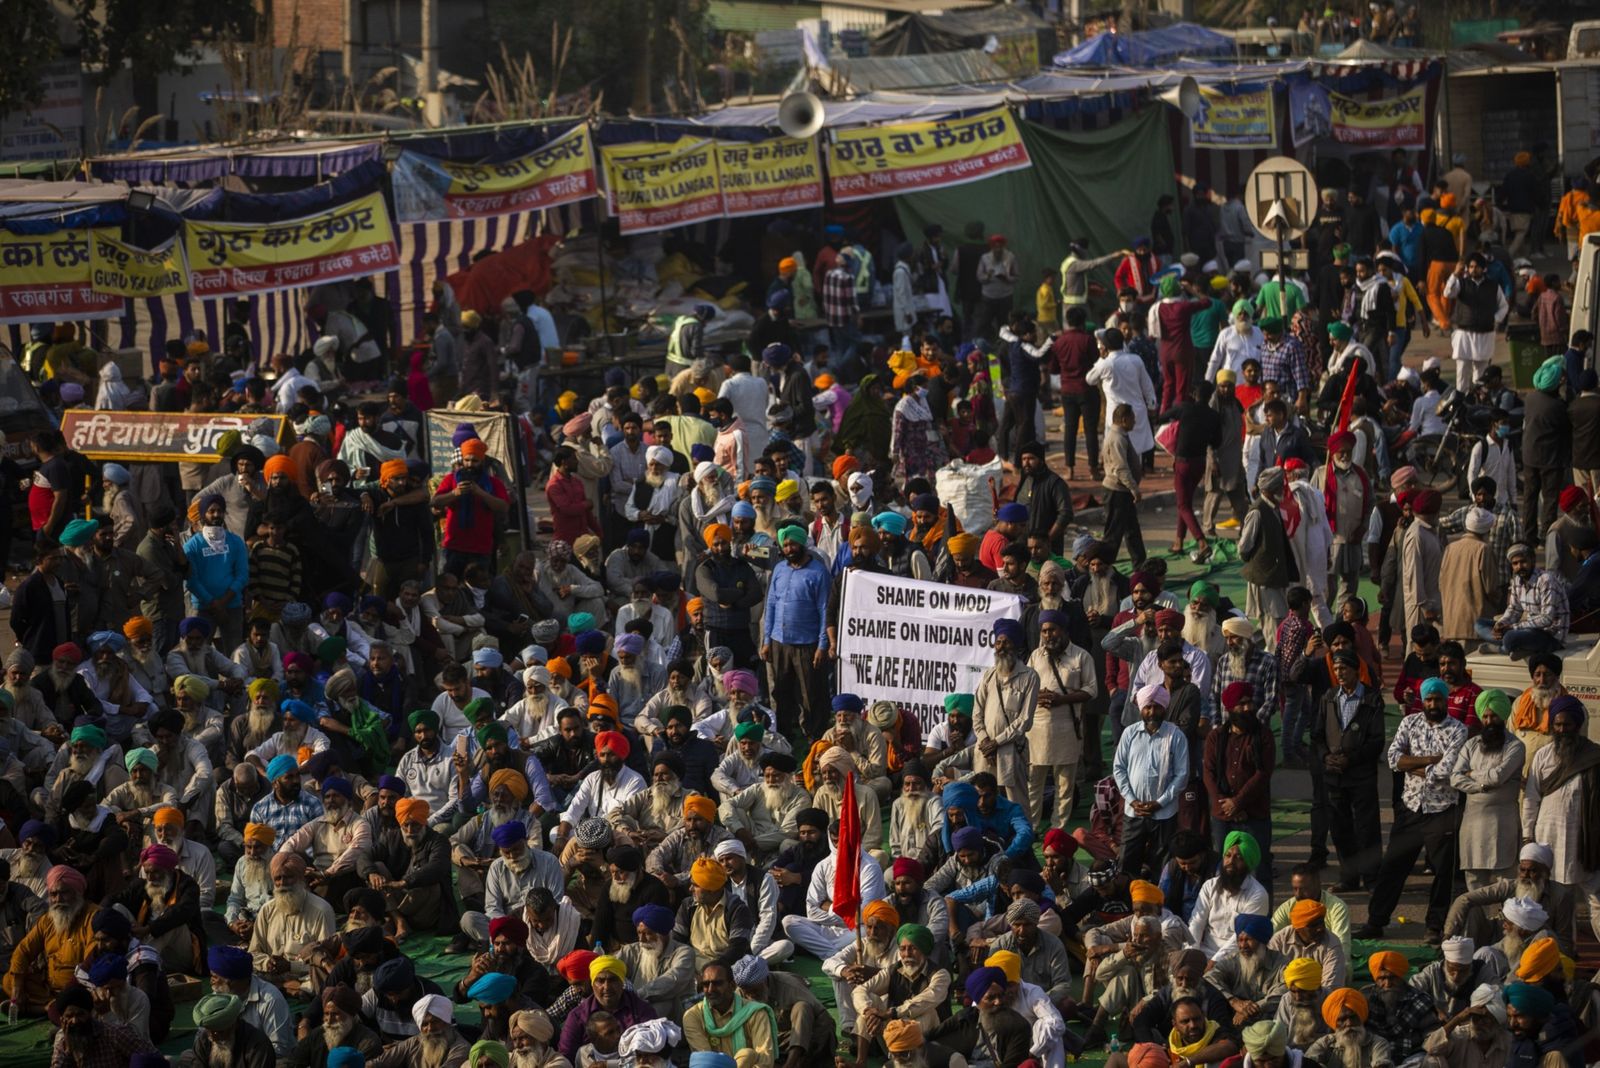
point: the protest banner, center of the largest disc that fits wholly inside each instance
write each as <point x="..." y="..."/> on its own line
<point x="1234" y="120"/>
<point x="1394" y="122"/>
<point x="155" y="437"/>
<point x="430" y="190"/>
<point x="778" y="174"/>
<point x="904" y="158"/>
<point x="236" y="259"/>
<point x="121" y="269"/>
<point x="915" y="642"/>
<point x="44" y="278"/>
<point x="656" y="186"/>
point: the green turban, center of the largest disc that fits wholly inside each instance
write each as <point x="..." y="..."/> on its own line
<point x="228" y="441"/>
<point x="89" y="733"/>
<point x="1550" y="373"/>
<point x="1204" y="591"/>
<point x="1242" y="307"/>
<point x="1249" y="848"/>
<point x="425" y="717"/>
<point x="749" y="730"/>
<point x="1265" y="1036"/>
<point x="578" y="622"/>
<point x="147" y="757"/>
<point x="1169" y="286"/>
<point x="1339" y="331"/>
<point x="78" y="532"/>
<point x="1272" y="324"/>
<point x="917" y="935"/>
<point x="487" y="1050"/>
<point x="960" y="702"/>
<point x="217" y="1011"/>
<point x="1341" y="252"/>
<point x="493" y="732"/>
<point x="331" y="650"/>
<point x="1492" y="700"/>
<point x="475" y="706"/>
<point x="791" y="533"/>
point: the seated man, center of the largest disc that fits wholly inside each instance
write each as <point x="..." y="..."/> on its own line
<point x="1186" y="968"/>
<point x="760" y="893"/>
<point x="990" y="1028"/>
<point x="1250" y="975"/>
<point x="84" y="1038"/>
<point x="1308" y="936"/>
<point x="222" y="1037"/>
<point x="661" y="967"/>
<point x="44" y="961"/>
<point x="712" y="920"/>
<point x="293" y="920"/>
<point x="609" y="994"/>
<point x="1472" y="913"/>
<point x="805" y="1029"/>
<point x="858" y="962"/>
<point x="165" y="905"/>
<point x="1352" y="1043"/>
<point x="1398" y="1013"/>
<point x="265" y="1008"/>
<point x="695" y="838"/>
<point x="725" y="1022"/>
<point x="1300" y="1009"/>
<point x="1131" y="975"/>
<point x="1147" y="901"/>
<point x="914" y="989"/>
<point x="520" y="867"/>
<point x="1306" y="884"/>
<point x="335" y="841"/>
<point x="421" y="897"/>
<point x="251" y="886"/>
<point x="1449" y="983"/>
<point x="1044" y="959"/>
<point x="820" y="932"/>
<point x="763" y="816"/>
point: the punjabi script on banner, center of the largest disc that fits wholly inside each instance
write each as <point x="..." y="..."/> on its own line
<point x="905" y="158"/>
<point x="1394" y="122"/>
<point x="235" y="259"/>
<point x="119" y="268"/>
<point x="1234" y="120"/>
<point x="778" y="174"/>
<point x="915" y="643"/>
<point x="45" y="278"/>
<point x="657" y="186"/>
<point x="431" y="190"/>
<point x="155" y="436"/>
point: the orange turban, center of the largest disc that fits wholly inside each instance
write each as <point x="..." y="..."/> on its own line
<point x="707" y="874"/>
<point x="1388" y="961"/>
<point x="1306" y="912"/>
<point x="138" y="628"/>
<point x="881" y="912"/>
<point x="694" y="604"/>
<point x="1145" y="893"/>
<point x="168" y="816"/>
<point x="260" y="832"/>
<point x="559" y="666"/>
<point x="902" y="1036"/>
<point x="901" y="381"/>
<point x="701" y="806"/>
<point x="716" y="531"/>
<point x="604" y="704"/>
<point x="411" y="810"/>
<point x="1447" y="201"/>
<point x="1338" y="1001"/>
<point x="787" y="264"/>
<point x="615" y="741"/>
<point x="1538" y="960"/>
<point x="280" y="464"/>
<point x="392" y="469"/>
<point x="574" y="967"/>
<point x="474" y="447"/>
<point x="844" y="465"/>
<point x="823" y="381"/>
<point x="961" y="544"/>
<point x="705" y="396"/>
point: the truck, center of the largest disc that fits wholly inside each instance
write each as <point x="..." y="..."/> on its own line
<point x="1580" y="674"/>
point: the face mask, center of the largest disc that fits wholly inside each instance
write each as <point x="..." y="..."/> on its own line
<point x="1502" y="432"/>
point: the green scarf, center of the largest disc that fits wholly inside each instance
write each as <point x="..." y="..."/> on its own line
<point x="865" y="423"/>
<point x="366" y="727"/>
<point x="742" y="1011"/>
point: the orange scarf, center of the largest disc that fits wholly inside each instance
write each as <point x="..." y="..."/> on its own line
<point x="1525" y="716"/>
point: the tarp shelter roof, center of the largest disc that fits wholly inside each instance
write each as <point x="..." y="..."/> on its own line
<point x="868" y="73"/>
<point x="924" y="34"/>
<point x="1148" y="48"/>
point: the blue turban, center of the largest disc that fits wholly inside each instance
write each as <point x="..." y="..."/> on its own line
<point x="777" y="354"/>
<point x="230" y="962"/>
<point x="486" y="657"/>
<point x="463" y="433"/>
<point x="392" y="784"/>
<point x="963" y="796"/>
<point x="493" y="988"/>
<point x="373" y="603"/>
<point x="295" y="613"/>
<point x="394" y="976"/>
<point x="1009" y="628"/>
<point x="1256" y="926"/>
<point x="338" y="785"/>
<point x="509" y="834"/>
<point x="981" y="979"/>
<point x="207" y="501"/>
<point x="1053" y="615"/>
<point x="337" y="600"/>
<point x="107" y="968"/>
<point x="616" y="376"/>
<point x="847" y="702"/>
<point x="101" y="639"/>
<point x="749" y="970"/>
<point x="967" y="838"/>
<point x="299" y="710"/>
<point x="116" y="474"/>
<point x="1435" y="687"/>
<point x="743" y="510"/>
<point x="708" y="1059"/>
<point x="763" y="485"/>
<point x="701" y="454"/>
<point x="591" y="642"/>
<point x="346" y="1057"/>
<point x="658" y="918"/>
<point x="778" y="298"/>
<point x="892" y="522"/>
<point x="1012" y="513"/>
<point x="1530" y="1000"/>
<point x="194" y="623"/>
<point x="37" y="829"/>
<point x="925" y="502"/>
<point x="113" y="922"/>
<point x="279" y="766"/>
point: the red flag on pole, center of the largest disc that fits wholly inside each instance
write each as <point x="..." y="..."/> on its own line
<point x="847" y="860"/>
<point x="1346" y="400"/>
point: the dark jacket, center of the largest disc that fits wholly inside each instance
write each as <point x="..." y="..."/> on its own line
<point x="1362" y="742"/>
<point x="613" y="922"/>
<point x="251" y="1048"/>
<point x="1006" y="1047"/>
<point x="1048" y="500"/>
<point x="730" y="588"/>
<point x="312" y="1051"/>
<point x="33" y="618"/>
<point x="430" y="866"/>
<point x="1546" y="431"/>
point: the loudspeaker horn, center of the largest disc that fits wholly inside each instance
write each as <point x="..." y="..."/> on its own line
<point x="800" y="114"/>
<point x="1189" y="97"/>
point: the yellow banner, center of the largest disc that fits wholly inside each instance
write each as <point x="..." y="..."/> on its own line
<point x="427" y="189"/>
<point x="778" y="174"/>
<point x="1395" y="122"/>
<point x="905" y="158"/>
<point x="235" y="259"/>
<point x="655" y="186"/>
<point x="119" y="268"/>
<point x="45" y="278"/>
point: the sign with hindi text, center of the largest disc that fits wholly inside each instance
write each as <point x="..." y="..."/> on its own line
<point x="880" y="161"/>
<point x="430" y="190"/>
<point x="155" y="436"/>
<point x="657" y="186"/>
<point x="915" y="643"/>
<point x="778" y="174"/>
<point x="1394" y="122"/>
<point x="119" y="268"/>
<point x="228" y="259"/>
<point x="1234" y="120"/>
<point x="44" y="278"/>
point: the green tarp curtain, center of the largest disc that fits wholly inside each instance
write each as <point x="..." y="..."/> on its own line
<point x="1099" y="184"/>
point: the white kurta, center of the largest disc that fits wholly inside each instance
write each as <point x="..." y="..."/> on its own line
<point x="1312" y="543"/>
<point x="1554" y="820"/>
<point x="1491" y="782"/>
<point x="1122" y="378"/>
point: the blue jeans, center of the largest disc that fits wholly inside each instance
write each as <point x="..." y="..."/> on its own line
<point x="1296" y="721"/>
<point x="1397" y="348"/>
<point x="1528" y="641"/>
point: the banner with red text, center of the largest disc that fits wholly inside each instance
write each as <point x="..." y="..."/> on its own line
<point x="778" y="174"/>
<point x="430" y="190"/>
<point x="46" y="278"/>
<point x="656" y="186"/>
<point x="1394" y="122"/>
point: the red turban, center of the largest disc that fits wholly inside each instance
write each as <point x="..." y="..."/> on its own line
<point x="615" y="741"/>
<point x="508" y="925"/>
<point x="574" y="967"/>
<point x="67" y="651"/>
<point x="1060" y="841"/>
<point x="1169" y="618"/>
<point x="159" y="856"/>
<point x="909" y="868"/>
<point x="1571" y="497"/>
<point x="1235" y="692"/>
<point x="1425" y="502"/>
<point x="1341" y="439"/>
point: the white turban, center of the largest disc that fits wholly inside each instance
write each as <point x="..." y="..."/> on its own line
<point x="1459" y="949"/>
<point x="731" y="847"/>
<point x="1479" y="521"/>
<point x="1491" y="997"/>
<point x="432" y="1005"/>
<point x="652" y="1036"/>
<point x="658" y="454"/>
<point x="1431" y="363"/>
<point x="704" y="470"/>
<point x="1153" y="694"/>
<point x="1525" y="913"/>
<point x="537" y="673"/>
<point x="1539" y="853"/>
<point x="325" y="346"/>
<point x="1238" y="627"/>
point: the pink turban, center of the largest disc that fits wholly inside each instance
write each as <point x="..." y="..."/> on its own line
<point x="64" y="876"/>
<point x="159" y="856"/>
<point x="739" y="681"/>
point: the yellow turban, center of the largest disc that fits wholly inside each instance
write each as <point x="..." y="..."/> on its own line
<point x="701" y="806"/>
<point x="962" y="544"/>
<point x="1306" y="912"/>
<point x="902" y="1036"/>
<point x="705" y="396"/>
<point x="1538" y="960"/>
<point x="902" y="362"/>
<point x="607" y="963"/>
<point x="1388" y="961"/>
<point x="786" y="489"/>
<point x="1345" y="997"/>
<point x="707" y="874"/>
<point x="193" y="685"/>
<point x="260" y="832"/>
<point x="258" y="687"/>
<point x="1303" y="973"/>
<point x="881" y="912"/>
<point x="1145" y="893"/>
<point x="1007" y="962"/>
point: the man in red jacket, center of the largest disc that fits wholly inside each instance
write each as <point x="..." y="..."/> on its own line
<point x="571" y="515"/>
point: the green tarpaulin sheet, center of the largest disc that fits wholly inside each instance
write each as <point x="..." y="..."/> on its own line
<point x="1101" y="184"/>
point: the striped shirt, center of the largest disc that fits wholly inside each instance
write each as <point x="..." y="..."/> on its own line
<point x="286" y="818"/>
<point x="1538" y="601"/>
<point x="274" y="573"/>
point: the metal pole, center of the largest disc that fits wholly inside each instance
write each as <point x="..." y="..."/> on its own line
<point x="600" y="269"/>
<point x="1283" y="295"/>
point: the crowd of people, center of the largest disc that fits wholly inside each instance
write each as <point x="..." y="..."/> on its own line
<point x="272" y="722"/>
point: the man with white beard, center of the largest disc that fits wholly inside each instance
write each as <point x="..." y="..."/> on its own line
<point x="30" y="861"/>
<point x="519" y="868"/>
<point x="1200" y="626"/>
<point x="1475" y="1037"/>
<point x="660" y="967"/>
<point x="201" y="723"/>
<point x="88" y="757"/>
<point x="472" y="848"/>
<point x="915" y="813"/>
<point x="1351" y="1045"/>
<point x="634" y="680"/>
<point x="195" y="655"/>
<point x="1056" y="736"/>
<point x="183" y="763"/>
<point x="534" y="716"/>
<point x="872" y="950"/>
<point x="1523" y="922"/>
<point x="124" y="700"/>
<point x="294" y="918"/>
<point x="695" y="838"/>
<point x="341" y="1025"/>
<point x="698" y="696"/>
<point x="336" y="840"/>
<point x="43" y="963"/>
<point x="32" y="749"/>
<point x="259" y="722"/>
<point x="659" y="809"/>
<point x="760" y="892"/>
<point x="740" y="767"/>
<point x="298" y="729"/>
<point x="194" y="859"/>
<point x="1005" y="698"/>
<point x="1469" y="913"/>
<point x="265" y="1007"/>
<point x="1246" y="662"/>
<point x="1250" y="973"/>
<point x="165" y="905"/>
<point x="64" y="694"/>
<point x="865" y="743"/>
<point x="251" y="886"/>
<point x="30" y="707"/>
<point x="139" y="797"/>
<point x="531" y="1032"/>
<point x="831" y="768"/>
<point x="763" y="816"/>
<point x="627" y="890"/>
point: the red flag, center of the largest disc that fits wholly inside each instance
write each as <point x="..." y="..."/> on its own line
<point x="847" y="860"/>
<point x="1346" y="399"/>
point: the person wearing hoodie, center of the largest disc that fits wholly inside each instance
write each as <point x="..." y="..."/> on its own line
<point x="219" y="567"/>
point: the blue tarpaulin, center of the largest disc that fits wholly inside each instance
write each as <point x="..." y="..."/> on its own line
<point x="1148" y="48"/>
